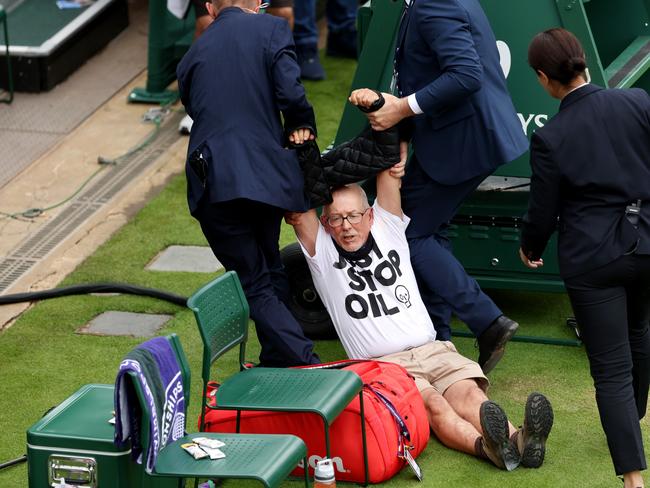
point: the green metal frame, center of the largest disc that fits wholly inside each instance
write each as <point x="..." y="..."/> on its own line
<point x="168" y="40"/>
<point x="222" y="314"/>
<point x="378" y="24"/>
<point x="574" y="18"/>
<point x="532" y="339"/>
<point x="10" y="78"/>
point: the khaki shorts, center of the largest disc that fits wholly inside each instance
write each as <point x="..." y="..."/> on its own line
<point x="437" y="364"/>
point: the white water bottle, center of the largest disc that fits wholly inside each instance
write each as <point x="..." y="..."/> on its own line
<point x="324" y="474"/>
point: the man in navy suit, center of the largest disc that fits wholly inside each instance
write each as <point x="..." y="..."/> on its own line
<point x="236" y="81"/>
<point x="462" y="126"/>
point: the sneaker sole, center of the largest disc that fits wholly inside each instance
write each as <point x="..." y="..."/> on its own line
<point x="499" y="349"/>
<point x="538" y="421"/>
<point x="494" y="424"/>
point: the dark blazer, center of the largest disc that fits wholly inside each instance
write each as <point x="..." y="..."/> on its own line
<point x="235" y="81"/>
<point x="589" y="162"/>
<point x="447" y="55"/>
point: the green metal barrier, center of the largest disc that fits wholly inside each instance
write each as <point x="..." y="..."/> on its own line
<point x="485" y="233"/>
<point x="169" y="38"/>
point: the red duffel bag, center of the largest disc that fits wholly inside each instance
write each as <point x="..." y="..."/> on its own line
<point x="386" y="385"/>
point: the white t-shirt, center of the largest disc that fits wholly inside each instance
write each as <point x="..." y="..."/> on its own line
<point x="374" y="302"/>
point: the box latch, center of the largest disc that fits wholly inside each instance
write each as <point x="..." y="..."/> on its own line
<point x="79" y="472"/>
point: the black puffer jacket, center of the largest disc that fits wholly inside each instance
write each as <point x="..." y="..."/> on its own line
<point x="351" y="162"/>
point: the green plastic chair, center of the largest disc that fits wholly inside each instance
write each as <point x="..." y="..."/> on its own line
<point x="222" y="313"/>
<point x="10" y="79"/>
<point x="266" y="458"/>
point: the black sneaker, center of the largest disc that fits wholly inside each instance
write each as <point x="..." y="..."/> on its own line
<point x="496" y="436"/>
<point x="531" y="438"/>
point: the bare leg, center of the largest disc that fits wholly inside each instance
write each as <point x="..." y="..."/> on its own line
<point x="466" y="397"/>
<point x="633" y="479"/>
<point x="452" y="430"/>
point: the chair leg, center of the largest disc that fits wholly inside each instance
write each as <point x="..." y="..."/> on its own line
<point x="238" y="423"/>
<point x="204" y="404"/>
<point x="363" y="438"/>
<point x="327" y="438"/>
<point x="306" y="461"/>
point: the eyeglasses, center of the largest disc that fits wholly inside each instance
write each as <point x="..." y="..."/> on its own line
<point x="353" y="218"/>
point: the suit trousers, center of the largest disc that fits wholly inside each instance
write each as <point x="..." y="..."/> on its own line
<point x="612" y="308"/>
<point x="341" y="16"/>
<point x="444" y="284"/>
<point x="243" y="235"/>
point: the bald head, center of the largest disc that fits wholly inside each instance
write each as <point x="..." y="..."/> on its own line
<point x="352" y="192"/>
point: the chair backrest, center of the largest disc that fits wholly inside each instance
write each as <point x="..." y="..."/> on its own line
<point x="221" y="312"/>
<point x="175" y="342"/>
<point x="145" y="434"/>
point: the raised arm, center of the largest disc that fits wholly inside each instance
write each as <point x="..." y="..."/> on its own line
<point x="389" y="183"/>
<point x="305" y="225"/>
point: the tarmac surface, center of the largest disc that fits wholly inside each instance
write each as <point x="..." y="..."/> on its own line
<point x="37" y="253"/>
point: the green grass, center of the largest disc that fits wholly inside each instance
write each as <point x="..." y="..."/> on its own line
<point x="43" y="360"/>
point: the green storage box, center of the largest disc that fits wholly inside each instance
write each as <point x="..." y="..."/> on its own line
<point x="75" y="442"/>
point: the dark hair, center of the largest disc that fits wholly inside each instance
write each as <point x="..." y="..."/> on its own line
<point x="558" y="53"/>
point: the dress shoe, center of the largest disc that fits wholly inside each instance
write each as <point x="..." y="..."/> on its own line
<point x="496" y="441"/>
<point x="530" y="439"/>
<point x="310" y="67"/>
<point x="492" y="342"/>
<point x="342" y="44"/>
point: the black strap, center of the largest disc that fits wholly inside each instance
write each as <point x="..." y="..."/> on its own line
<point x="376" y="105"/>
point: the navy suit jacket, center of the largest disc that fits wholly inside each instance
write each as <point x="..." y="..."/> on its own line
<point x="589" y="162"/>
<point x="235" y="81"/>
<point x="447" y="55"/>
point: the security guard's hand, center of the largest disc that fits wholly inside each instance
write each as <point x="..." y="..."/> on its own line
<point x="394" y="110"/>
<point x="529" y="263"/>
<point x="363" y="97"/>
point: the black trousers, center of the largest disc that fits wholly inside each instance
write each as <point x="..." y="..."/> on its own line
<point x="244" y="235"/>
<point x="444" y="284"/>
<point x="612" y="307"/>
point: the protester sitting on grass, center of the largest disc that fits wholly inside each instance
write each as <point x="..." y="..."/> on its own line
<point x="359" y="259"/>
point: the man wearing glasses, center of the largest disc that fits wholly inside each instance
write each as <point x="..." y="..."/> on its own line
<point x="359" y="259"/>
<point x="453" y="95"/>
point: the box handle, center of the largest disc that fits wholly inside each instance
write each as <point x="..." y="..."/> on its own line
<point x="74" y="471"/>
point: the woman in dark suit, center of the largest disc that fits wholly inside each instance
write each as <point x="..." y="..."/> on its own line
<point x="591" y="182"/>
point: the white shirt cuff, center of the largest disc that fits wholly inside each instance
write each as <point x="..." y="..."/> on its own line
<point x="413" y="103"/>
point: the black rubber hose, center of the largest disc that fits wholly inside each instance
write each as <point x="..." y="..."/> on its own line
<point x="13" y="462"/>
<point x="93" y="288"/>
<point x="22" y="458"/>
